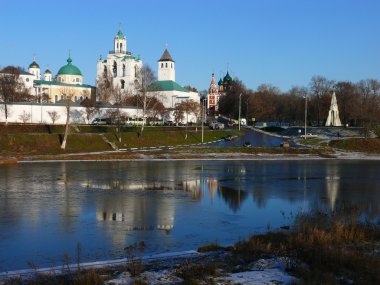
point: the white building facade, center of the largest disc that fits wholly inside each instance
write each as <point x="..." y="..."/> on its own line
<point x="120" y="65"/>
<point x="165" y="88"/>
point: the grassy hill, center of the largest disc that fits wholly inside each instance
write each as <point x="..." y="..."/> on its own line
<point x="20" y="140"/>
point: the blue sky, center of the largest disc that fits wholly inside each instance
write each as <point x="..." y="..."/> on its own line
<point x="281" y="42"/>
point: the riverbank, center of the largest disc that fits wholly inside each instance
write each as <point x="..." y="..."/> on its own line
<point x="317" y="248"/>
<point x="198" y="153"/>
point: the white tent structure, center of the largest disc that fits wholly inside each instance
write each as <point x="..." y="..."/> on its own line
<point x="333" y="117"/>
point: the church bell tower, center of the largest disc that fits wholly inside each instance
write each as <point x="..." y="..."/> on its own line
<point x="166" y="68"/>
<point x="120" y="42"/>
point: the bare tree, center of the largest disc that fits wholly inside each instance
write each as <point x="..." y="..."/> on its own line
<point x="369" y="94"/>
<point x="24" y="117"/>
<point x="9" y="86"/>
<point x="143" y="84"/>
<point x="68" y="95"/>
<point x="105" y="89"/>
<point x="185" y="109"/>
<point x="319" y="86"/>
<point x="54" y="116"/>
<point x="155" y="109"/>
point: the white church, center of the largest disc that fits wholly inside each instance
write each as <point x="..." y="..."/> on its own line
<point x="121" y="65"/>
<point x="166" y="88"/>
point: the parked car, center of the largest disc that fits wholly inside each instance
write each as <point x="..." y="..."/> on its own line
<point x="285" y="144"/>
<point x="100" y="121"/>
<point x="216" y="126"/>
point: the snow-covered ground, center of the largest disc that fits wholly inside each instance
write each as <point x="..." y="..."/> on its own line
<point x="262" y="271"/>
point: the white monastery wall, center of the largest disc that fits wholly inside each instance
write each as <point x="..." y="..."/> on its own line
<point x="39" y="113"/>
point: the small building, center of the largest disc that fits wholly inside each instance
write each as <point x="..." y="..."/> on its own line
<point x="166" y="89"/>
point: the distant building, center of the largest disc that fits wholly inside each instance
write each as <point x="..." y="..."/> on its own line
<point x="166" y="88"/>
<point x="68" y="81"/>
<point x="215" y="92"/>
<point x="69" y="77"/>
<point x="225" y="84"/>
<point x="213" y="98"/>
<point x="333" y="116"/>
<point x="24" y="78"/>
<point x="121" y="65"/>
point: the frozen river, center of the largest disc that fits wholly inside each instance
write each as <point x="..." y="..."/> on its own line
<point x="46" y="209"/>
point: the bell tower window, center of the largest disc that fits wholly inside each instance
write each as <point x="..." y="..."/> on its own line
<point x="122" y="82"/>
<point x="123" y="70"/>
<point x="114" y="69"/>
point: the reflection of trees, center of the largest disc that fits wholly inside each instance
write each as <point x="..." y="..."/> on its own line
<point x="259" y="196"/>
<point x="233" y="197"/>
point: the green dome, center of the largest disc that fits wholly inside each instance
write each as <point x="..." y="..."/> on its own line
<point x="227" y="78"/>
<point x="69" y="69"/>
<point x="34" y="64"/>
<point x="220" y="82"/>
<point x="47" y="71"/>
<point x="120" y="34"/>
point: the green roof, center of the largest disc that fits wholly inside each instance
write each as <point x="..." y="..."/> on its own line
<point x="167" y="85"/>
<point x="34" y="64"/>
<point x="61" y="83"/>
<point x="120" y="34"/>
<point x="69" y="69"/>
<point x="227" y="77"/>
<point x="47" y="71"/>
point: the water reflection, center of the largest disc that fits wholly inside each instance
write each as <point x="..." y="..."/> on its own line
<point x="45" y="209"/>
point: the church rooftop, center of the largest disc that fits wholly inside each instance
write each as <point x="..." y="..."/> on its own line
<point x="167" y="85"/>
<point x="166" y="56"/>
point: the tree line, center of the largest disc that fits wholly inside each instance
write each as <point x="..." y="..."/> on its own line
<point x="359" y="103"/>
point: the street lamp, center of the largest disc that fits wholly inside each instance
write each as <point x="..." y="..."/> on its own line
<point x="305" y="112"/>
<point x="239" y="109"/>
<point x="203" y="116"/>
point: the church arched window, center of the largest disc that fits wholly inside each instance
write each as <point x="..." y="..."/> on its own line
<point x="162" y="65"/>
<point x="56" y="98"/>
<point x="114" y="69"/>
<point x="122" y="82"/>
<point x="121" y="47"/>
<point x="172" y="65"/>
<point x="135" y="71"/>
<point x="105" y="72"/>
<point x="123" y="70"/>
<point x="166" y="64"/>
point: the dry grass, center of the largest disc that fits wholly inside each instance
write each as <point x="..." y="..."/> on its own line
<point x="192" y="273"/>
<point x="361" y="145"/>
<point x="336" y="247"/>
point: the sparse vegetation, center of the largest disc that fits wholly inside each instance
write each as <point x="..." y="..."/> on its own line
<point x="210" y="247"/>
<point x="329" y="248"/>
<point x="357" y="144"/>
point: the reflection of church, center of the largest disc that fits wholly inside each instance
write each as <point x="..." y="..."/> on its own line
<point x="140" y="213"/>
